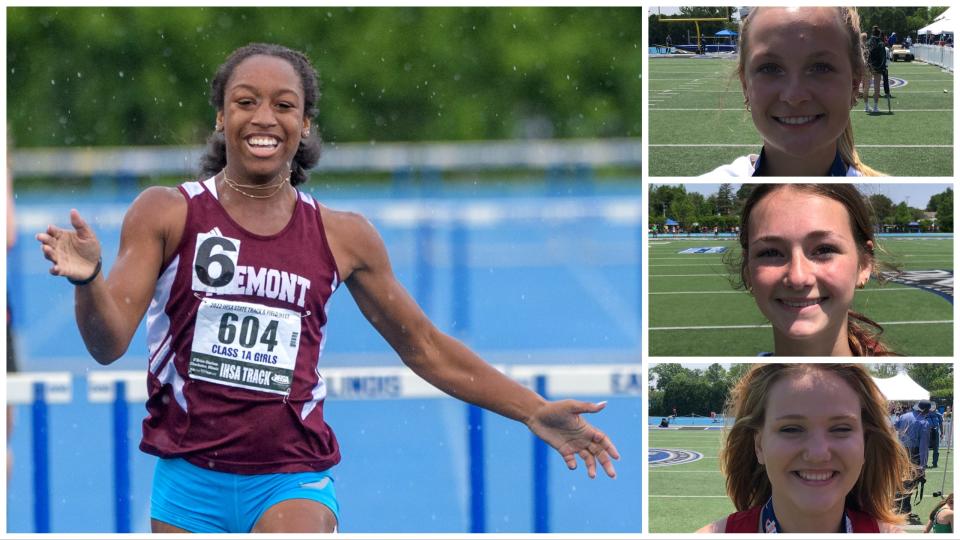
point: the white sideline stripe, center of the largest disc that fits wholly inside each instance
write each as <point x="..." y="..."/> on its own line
<point x="741" y="92"/>
<point x="858" y="146"/>
<point x="705" y="263"/>
<point x="732" y="77"/>
<point x="719" y="262"/>
<point x="688" y="496"/>
<point x="741" y="109"/>
<point x="742" y="326"/>
<point x="859" y="291"/>
<point x="666" y="470"/>
<point x="688" y="275"/>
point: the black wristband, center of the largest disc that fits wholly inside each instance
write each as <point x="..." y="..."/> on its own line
<point x="96" y="272"/>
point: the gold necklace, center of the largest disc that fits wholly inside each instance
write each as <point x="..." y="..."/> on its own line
<point x="236" y="187"/>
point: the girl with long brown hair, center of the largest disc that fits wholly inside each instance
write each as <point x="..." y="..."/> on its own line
<point x="805" y="249"/>
<point x="810" y="451"/>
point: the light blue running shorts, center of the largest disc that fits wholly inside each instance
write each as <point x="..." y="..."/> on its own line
<point x="204" y="501"/>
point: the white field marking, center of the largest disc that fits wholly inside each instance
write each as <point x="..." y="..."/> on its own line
<point x="732" y="78"/>
<point x="683" y="71"/>
<point x="718" y="262"/>
<point x="749" y="326"/>
<point x="858" y="291"/>
<point x="741" y="109"/>
<point x="662" y="470"/>
<point x="741" y="92"/>
<point x="652" y="496"/>
<point x="705" y="263"/>
<point x="758" y="144"/>
<point x="688" y="275"/>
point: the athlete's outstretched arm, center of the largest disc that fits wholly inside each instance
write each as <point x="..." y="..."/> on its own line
<point x="109" y="310"/>
<point x="444" y="361"/>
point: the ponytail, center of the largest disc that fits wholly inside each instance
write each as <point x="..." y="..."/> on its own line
<point x="848" y="153"/>
<point x="214" y="158"/>
<point x="864" y="340"/>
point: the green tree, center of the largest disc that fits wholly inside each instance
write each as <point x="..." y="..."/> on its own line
<point x="660" y="375"/>
<point x="140" y="75"/>
<point x="902" y="20"/>
<point x="883" y="371"/>
<point x="716" y="374"/>
<point x="689" y="394"/>
<point x="726" y="199"/>
<point x="662" y="196"/>
<point x="882" y="208"/>
<point x="683" y="210"/>
<point x="656" y="406"/>
<point x="736" y="372"/>
<point x="901" y="216"/>
<point x="942" y="204"/>
<point x="743" y="193"/>
<point x="700" y="207"/>
<point x="933" y="377"/>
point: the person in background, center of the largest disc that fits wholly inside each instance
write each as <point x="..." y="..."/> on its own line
<point x="877" y="62"/>
<point x="936" y="434"/>
<point x="941" y="518"/>
<point x="886" y="70"/>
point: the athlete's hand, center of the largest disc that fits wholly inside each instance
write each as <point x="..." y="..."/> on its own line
<point x="559" y="424"/>
<point x="75" y="253"/>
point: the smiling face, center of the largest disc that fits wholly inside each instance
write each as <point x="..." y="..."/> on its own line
<point x="812" y="444"/>
<point x="803" y="265"/>
<point x="798" y="79"/>
<point x="263" y="118"/>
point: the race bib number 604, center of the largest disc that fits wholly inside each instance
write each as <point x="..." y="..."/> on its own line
<point x="245" y="345"/>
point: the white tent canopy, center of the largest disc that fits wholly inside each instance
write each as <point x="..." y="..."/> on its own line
<point x="942" y="24"/>
<point x="901" y="388"/>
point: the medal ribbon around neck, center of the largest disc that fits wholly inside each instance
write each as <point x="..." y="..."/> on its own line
<point x="770" y="523"/>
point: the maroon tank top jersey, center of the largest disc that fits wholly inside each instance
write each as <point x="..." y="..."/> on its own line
<point x="235" y="331"/>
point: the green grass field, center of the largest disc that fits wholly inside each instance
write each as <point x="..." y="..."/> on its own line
<point x="698" y="122"/>
<point x="694" y="309"/>
<point x="685" y="497"/>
